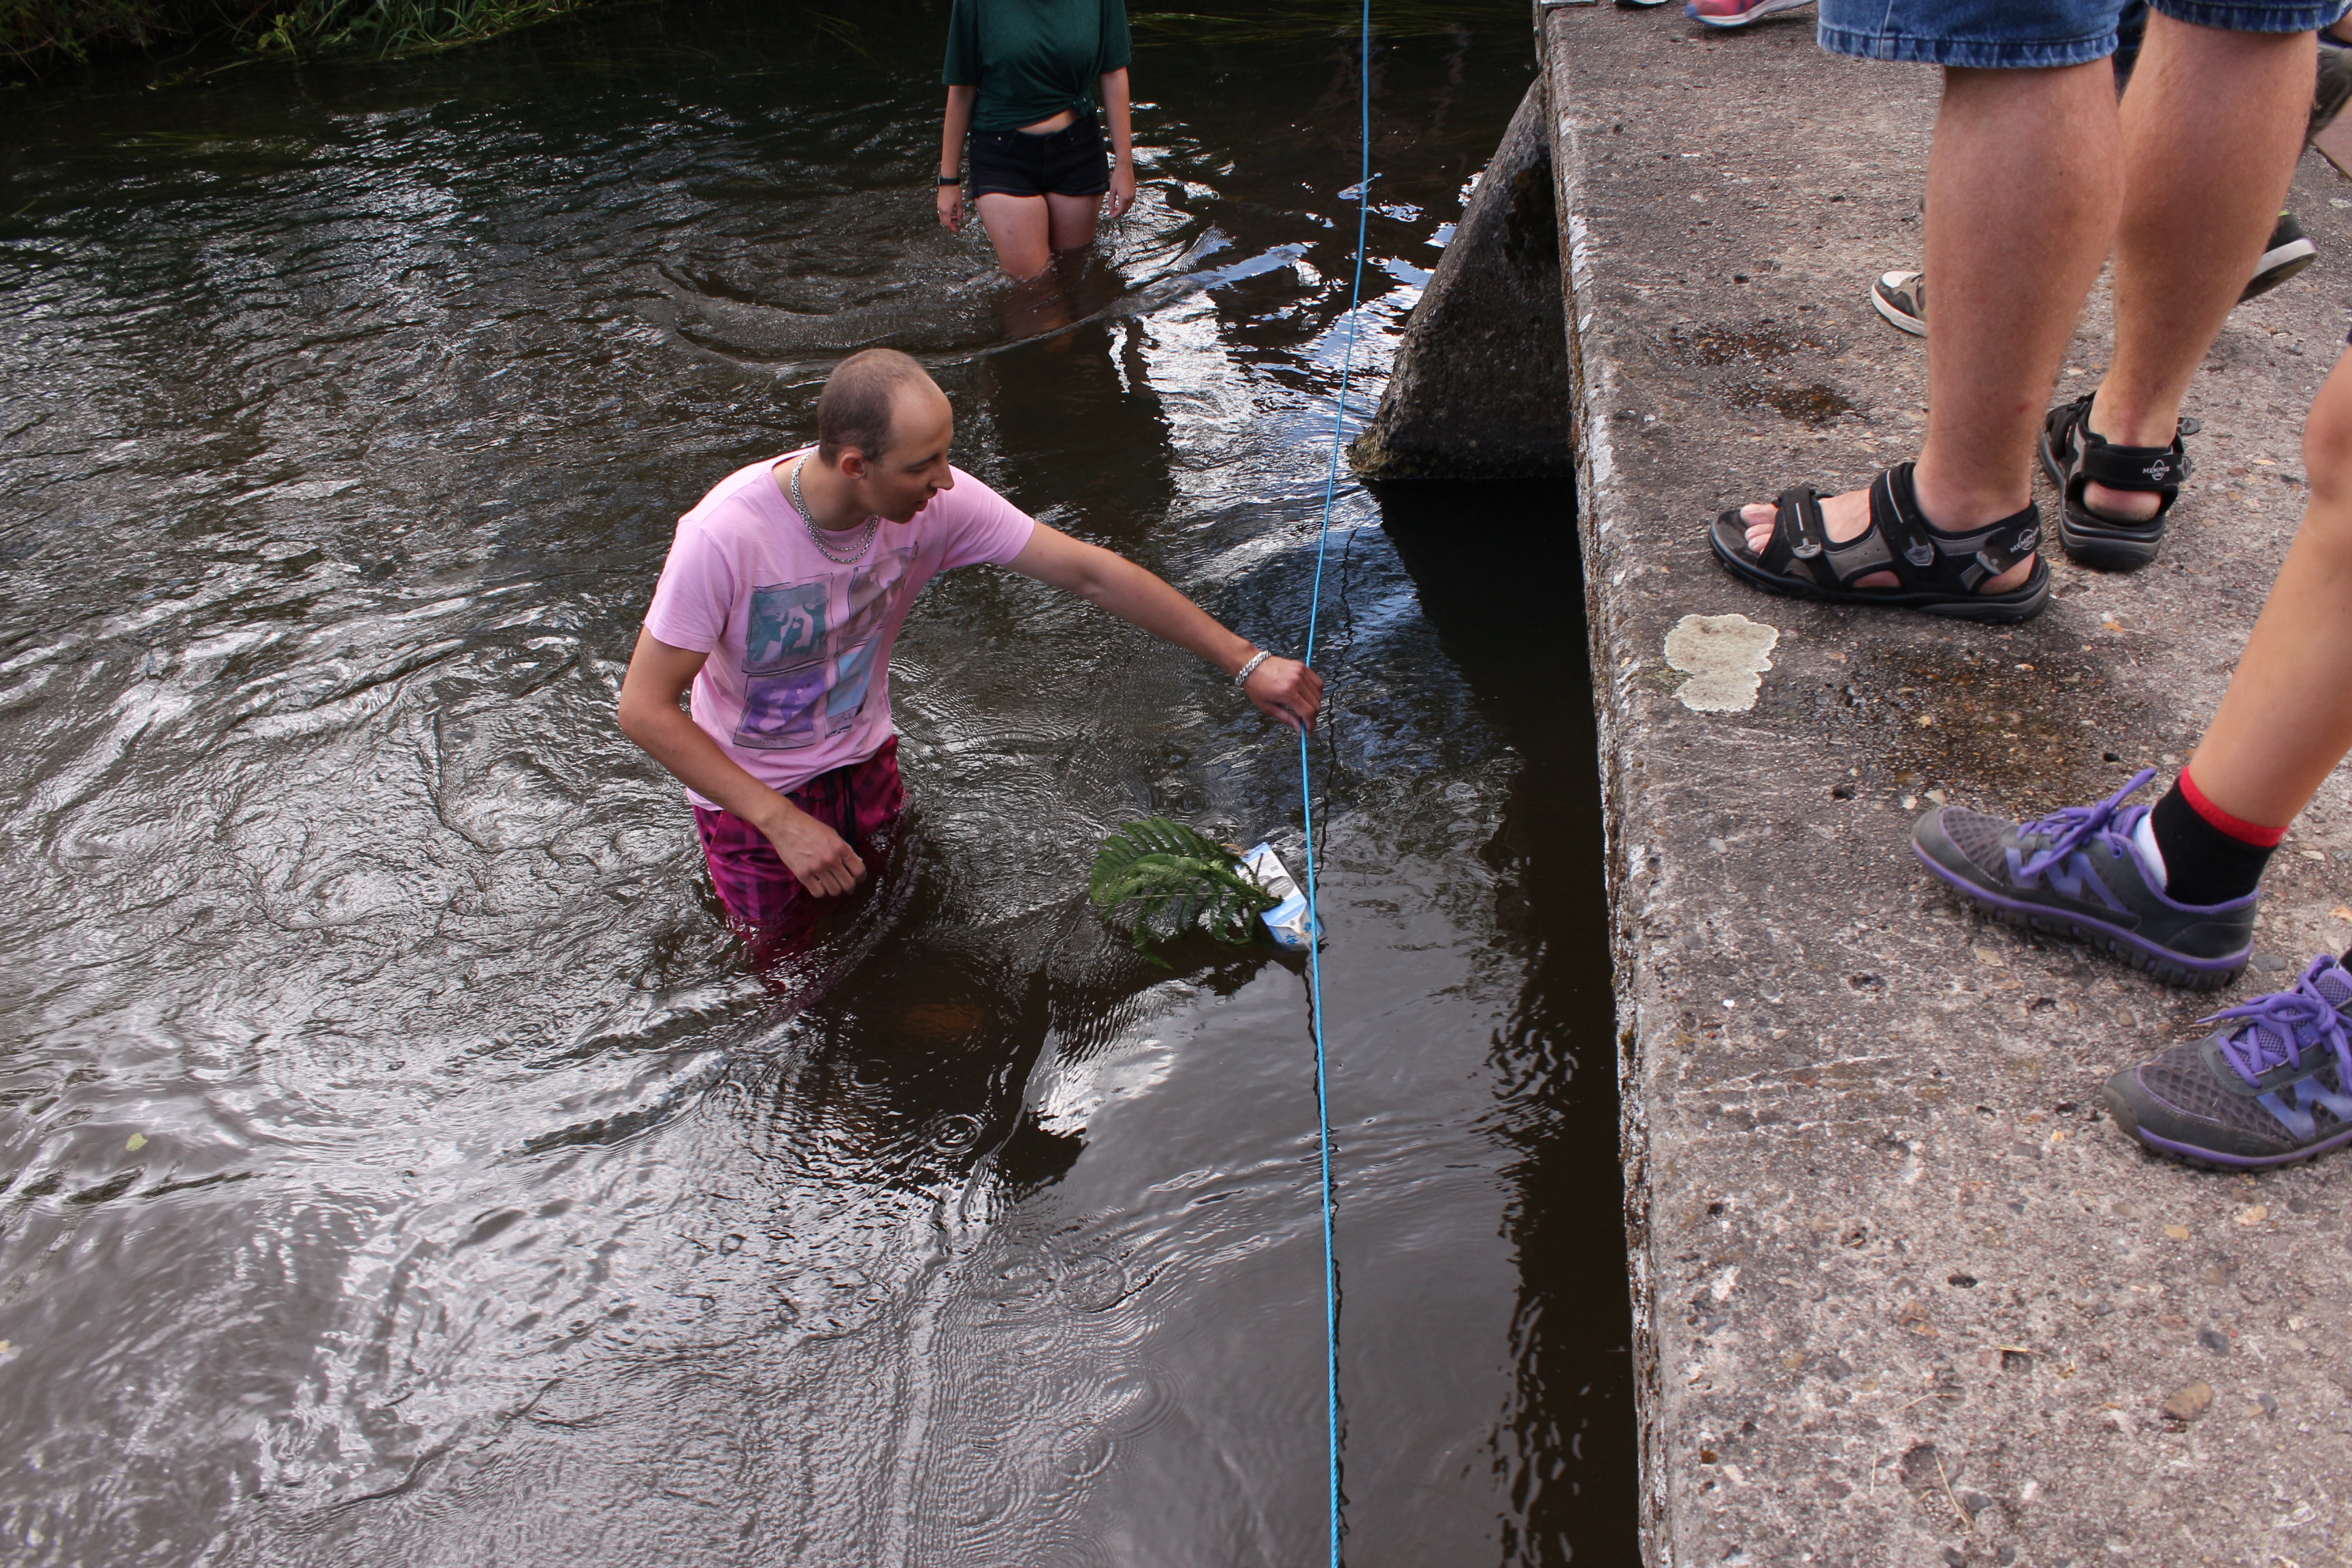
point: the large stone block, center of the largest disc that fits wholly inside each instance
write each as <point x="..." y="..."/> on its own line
<point x="1481" y="386"/>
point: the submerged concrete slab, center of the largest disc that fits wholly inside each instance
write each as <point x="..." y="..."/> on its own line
<point x="1904" y="1297"/>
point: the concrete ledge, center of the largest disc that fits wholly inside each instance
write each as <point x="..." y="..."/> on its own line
<point x="1902" y="1297"/>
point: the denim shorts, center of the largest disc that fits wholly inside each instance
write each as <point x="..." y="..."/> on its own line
<point x="1071" y="162"/>
<point x="2030" y="34"/>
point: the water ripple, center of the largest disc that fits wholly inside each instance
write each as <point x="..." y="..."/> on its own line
<point x="397" y="1163"/>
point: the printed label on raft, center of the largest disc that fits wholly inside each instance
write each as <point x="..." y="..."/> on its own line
<point x="1288" y="922"/>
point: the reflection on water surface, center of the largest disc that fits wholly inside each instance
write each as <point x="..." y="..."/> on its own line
<point x="396" y="1165"/>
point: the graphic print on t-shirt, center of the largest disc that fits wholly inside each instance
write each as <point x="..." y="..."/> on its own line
<point x="804" y="677"/>
<point x="870" y="598"/>
<point x="786" y="629"/>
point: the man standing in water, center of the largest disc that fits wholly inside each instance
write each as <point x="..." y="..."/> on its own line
<point x="784" y="591"/>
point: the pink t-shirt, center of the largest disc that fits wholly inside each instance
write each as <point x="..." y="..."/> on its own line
<point x="798" y="680"/>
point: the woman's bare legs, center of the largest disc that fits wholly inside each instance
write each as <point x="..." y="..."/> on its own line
<point x="1029" y="231"/>
<point x="2287" y="719"/>
<point x="1020" y="228"/>
<point x="1073" y="225"/>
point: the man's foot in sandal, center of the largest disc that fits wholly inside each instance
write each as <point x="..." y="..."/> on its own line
<point x="1875" y="547"/>
<point x="2083" y="872"/>
<point x="2272" y="1087"/>
<point x="2112" y="500"/>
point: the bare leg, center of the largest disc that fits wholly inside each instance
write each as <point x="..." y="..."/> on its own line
<point x="2212" y="125"/>
<point x="2022" y="204"/>
<point x="1031" y="307"/>
<point x="1018" y="227"/>
<point x="2287" y="719"/>
<point x="1073" y="225"/>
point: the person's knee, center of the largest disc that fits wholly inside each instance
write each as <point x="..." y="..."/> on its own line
<point x="2010" y="91"/>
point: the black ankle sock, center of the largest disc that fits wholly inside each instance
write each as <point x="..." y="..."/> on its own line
<point x="2203" y="865"/>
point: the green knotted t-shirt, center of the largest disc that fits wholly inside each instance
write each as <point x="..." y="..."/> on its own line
<point x="1033" y="58"/>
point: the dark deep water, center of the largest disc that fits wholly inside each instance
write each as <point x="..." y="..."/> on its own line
<point x="396" y="1164"/>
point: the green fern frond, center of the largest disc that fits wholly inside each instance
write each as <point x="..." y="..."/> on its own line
<point x="1161" y="879"/>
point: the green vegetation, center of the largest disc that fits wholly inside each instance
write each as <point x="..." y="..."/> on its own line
<point x="34" y="30"/>
<point x="34" y="33"/>
<point x="1164" y="880"/>
<point x="380" y="29"/>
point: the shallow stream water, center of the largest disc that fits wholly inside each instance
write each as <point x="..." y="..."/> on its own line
<point x="397" y="1163"/>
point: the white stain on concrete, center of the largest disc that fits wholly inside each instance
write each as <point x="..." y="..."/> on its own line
<point x="1725" y="657"/>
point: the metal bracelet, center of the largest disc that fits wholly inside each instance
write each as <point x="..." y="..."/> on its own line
<point x="1241" y="675"/>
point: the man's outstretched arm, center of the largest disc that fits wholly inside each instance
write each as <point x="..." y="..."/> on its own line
<point x="658" y="676"/>
<point x="1282" y="687"/>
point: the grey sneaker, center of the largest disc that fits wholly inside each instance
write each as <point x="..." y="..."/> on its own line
<point x="2269" y="1091"/>
<point x="2289" y="251"/>
<point x="1902" y="299"/>
<point x="2076" y="873"/>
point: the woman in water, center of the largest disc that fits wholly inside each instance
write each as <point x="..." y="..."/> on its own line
<point x="1022" y="77"/>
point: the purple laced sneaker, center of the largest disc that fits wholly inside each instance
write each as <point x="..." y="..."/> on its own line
<point x="2076" y="873"/>
<point x="2278" y="1026"/>
<point x="2069" y="827"/>
<point x="2269" y="1088"/>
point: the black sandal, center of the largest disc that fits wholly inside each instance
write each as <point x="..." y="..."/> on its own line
<point x="2075" y="455"/>
<point x="1940" y="571"/>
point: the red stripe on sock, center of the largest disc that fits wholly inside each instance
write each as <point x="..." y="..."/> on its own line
<point x="2237" y="827"/>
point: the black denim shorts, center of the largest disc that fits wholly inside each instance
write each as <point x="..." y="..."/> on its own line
<point x="1071" y="162"/>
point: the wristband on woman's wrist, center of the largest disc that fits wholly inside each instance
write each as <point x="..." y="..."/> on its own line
<point x="951" y="179"/>
<point x="1241" y="675"/>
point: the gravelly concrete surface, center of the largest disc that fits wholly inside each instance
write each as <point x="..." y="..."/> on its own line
<point x="1904" y="1297"/>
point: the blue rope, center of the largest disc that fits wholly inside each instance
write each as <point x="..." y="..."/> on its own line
<point x="1307" y="789"/>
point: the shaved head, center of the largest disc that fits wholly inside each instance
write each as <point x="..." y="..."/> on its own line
<point x="860" y="399"/>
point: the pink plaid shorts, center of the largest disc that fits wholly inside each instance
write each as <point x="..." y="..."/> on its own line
<point x="764" y="898"/>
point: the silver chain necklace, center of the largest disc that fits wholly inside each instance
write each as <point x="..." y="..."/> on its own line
<point x="816" y="534"/>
